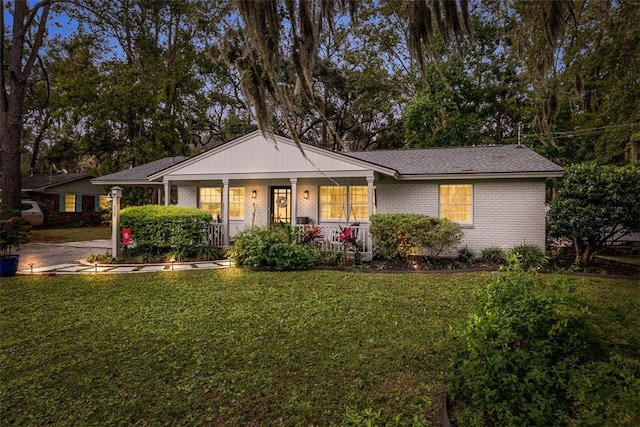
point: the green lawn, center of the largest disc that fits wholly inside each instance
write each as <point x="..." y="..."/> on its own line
<point x="63" y="235"/>
<point x="239" y="347"/>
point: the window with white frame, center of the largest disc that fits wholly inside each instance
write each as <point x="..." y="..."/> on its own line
<point x="236" y="202"/>
<point x="342" y="203"/>
<point x="210" y="199"/>
<point x="456" y="202"/>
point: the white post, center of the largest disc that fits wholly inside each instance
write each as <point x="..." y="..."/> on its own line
<point x="116" y="194"/>
<point x="370" y="206"/>
<point x="294" y="200"/>
<point x="167" y="193"/>
<point x="225" y="211"/>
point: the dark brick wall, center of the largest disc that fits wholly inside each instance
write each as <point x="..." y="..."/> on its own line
<point x="54" y="218"/>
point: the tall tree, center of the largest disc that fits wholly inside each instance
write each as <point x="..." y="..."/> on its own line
<point x="18" y="53"/>
<point x="272" y="32"/>
<point x="472" y="97"/>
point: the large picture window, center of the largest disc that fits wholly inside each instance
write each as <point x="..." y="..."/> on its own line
<point x="210" y="199"/>
<point x="342" y="203"/>
<point x="456" y="203"/>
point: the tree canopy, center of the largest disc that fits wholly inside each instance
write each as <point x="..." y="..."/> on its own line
<point x="97" y="86"/>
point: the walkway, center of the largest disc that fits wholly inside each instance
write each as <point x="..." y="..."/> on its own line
<point x="69" y="258"/>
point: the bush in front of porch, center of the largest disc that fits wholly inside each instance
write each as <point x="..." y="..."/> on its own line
<point x="276" y="246"/>
<point x="163" y="232"/>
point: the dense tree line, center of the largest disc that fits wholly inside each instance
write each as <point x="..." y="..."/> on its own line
<point x="98" y="86"/>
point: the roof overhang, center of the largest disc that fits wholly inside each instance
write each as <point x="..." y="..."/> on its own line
<point x="471" y="176"/>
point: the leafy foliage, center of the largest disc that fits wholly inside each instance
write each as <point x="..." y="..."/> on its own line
<point x="166" y="228"/>
<point x="401" y="235"/>
<point x="526" y="356"/>
<point x="596" y="205"/>
<point x="530" y="257"/>
<point x="493" y="255"/>
<point x="13" y="233"/>
<point x="276" y="246"/>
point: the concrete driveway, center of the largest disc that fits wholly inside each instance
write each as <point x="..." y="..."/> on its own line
<point x="45" y="254"/>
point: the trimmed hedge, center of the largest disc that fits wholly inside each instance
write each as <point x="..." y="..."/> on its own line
<point x="166" y="227"/>
<point x="401" y="235"/>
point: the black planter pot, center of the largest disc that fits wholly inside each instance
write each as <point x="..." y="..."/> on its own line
<point x="9" y="265"/>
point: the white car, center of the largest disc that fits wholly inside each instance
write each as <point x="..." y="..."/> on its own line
<point x="31" y="212"/>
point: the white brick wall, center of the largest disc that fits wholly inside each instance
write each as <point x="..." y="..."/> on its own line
<point x="187" y="196"/>
<point x="506" y="213"/>
<point x="308" y="207"/>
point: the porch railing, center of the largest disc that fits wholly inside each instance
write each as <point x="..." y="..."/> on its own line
<point x="215" y="235"/>
<point x="327" y="240"/>
<point x="329" y="237"/>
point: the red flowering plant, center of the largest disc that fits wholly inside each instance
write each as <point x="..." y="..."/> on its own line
<point x="310" y="233"/>
<point x="348" y="236"/>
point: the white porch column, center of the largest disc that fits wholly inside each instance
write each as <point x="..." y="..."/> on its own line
<point x="167" y="193"/>
<point x="225" y="210"/>
<point x="370" y="200"/>
<point x="294" y="200"/>
<point x="159" y="192"/>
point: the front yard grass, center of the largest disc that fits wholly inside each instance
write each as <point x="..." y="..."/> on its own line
<point x="240" y="347"/>
<point x="64" y="235"/>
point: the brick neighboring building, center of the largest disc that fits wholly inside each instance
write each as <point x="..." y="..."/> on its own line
<point x="67" y="200"/>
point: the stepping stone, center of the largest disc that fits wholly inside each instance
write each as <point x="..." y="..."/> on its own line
<point x="77" y="268"/>
<point x="123" y="269"/>
<point x="48" y="268"/>
<point x="150" y="268"/>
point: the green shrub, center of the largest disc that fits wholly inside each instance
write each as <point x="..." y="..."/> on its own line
<point x="166" y="227"/>
<point x="529" y="256"/>
<point x="275" y="246"/>
<point x="526" y="356"/>
<point x="493" y="255"/>
<point x="466" y="255"/>
<point x="402" y="235"/>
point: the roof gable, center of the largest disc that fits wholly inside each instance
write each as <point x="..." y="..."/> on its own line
<point x="42" y="182"/>
<point x="255" y="154"/>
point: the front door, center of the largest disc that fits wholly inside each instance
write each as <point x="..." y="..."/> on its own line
<point x="280" y="205"/>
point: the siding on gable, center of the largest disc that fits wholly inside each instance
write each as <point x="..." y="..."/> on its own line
<point x="506" y="213"/>
<point x="259" y="155"/>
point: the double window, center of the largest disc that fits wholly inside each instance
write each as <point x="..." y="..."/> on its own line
<point x="210" y="199"/>
<point x="456" y="202"/>
<point x="344" y="203"/>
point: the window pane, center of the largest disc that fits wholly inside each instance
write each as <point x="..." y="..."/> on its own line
<point x="104" y="203"/>
<point x="236" y="202"/>
<point x="69" y="202"/>
<point x="210" y="199"/>
<point x="333" y="203"/>
<point x="359" y="203"/>
<point x="456" y="203"/>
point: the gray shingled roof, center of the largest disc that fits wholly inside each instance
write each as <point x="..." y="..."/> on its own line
<point x="460" y="160"/>
<point x="40" y="182"/>
<point x="139" y="173"/>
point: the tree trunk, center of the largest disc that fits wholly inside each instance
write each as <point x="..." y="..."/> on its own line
<point x="11" y="180"/>
<point x="587" y="256"/>
<point x="17" y="66"/>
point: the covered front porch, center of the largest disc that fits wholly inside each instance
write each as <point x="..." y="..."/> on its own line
<point x="328" y="204"/>
<point x="258" y="179"/>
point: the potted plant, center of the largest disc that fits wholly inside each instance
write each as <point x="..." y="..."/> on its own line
<point x="12" y="234"/>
